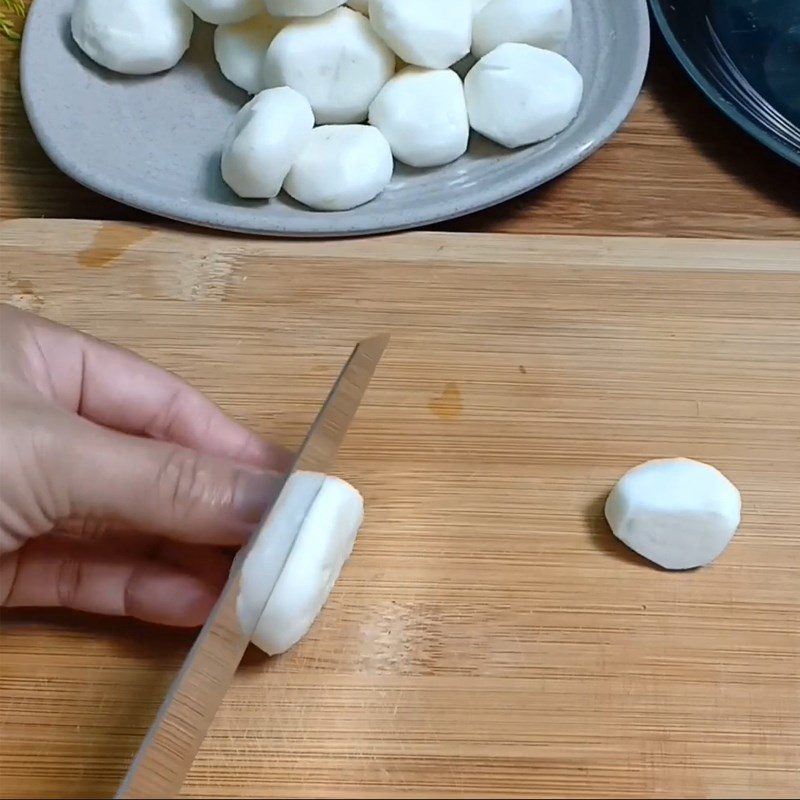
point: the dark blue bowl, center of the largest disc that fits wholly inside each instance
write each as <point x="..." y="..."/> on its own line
<point x="745" y="56"/>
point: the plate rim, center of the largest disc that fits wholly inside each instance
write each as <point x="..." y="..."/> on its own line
<point x="499" y="193"/>
<point x="729" y="107"/>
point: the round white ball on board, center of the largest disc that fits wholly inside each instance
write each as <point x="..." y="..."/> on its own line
<point x="676" y="512"/>
<point x="240" y="49"/>
<point x="341" y="167"/>
<point x="423" y="115"/>
<point x="336" y="60"/>
<point x="263" y="141"/>
<point x="134" y="37"/>
<point x="518" y="95"/>
<point x="544" y="23"/>
<point x="426" y="33"/>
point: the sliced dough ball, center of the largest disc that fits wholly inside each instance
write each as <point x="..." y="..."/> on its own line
<point x="341" y="167"/>
<point x="544" y="23"/>
<point x="423" y="115"/>
<point x="324" y="542"/>
<point x="362" y="6"/>
<point x="301" y="8"/>
<point x="135" y="37"/>
<point x="427" y="33"/>
<point x="262" y="143"/>
<point x="675" y="512"/>
<point x="222" y="12"/>
<point x="337" y="61"/>
<point x="518" y="94"/>
<point x="240" y="49"/>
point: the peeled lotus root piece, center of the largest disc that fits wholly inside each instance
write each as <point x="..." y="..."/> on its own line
<point x="337" y="61"/>
<point x="341" y="167"/>
<point x="543" y="23"/>
<point x="240" y="48"/>
<point x="323" y="544"/>
<point x="264" y="140"/>
<point x="134" y="37"/>
<point x="423" y="115"/>
<point x="676" y="512"/>
<point x="518" y="94"/>
<point x="427" y="33"/>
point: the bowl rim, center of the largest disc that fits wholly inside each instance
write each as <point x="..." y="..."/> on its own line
<point x="726" y="104"/>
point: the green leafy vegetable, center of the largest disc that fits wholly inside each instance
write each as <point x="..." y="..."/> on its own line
<point x="12" y="18"/>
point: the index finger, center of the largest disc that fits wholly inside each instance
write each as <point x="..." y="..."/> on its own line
<point x="116" y="388"/>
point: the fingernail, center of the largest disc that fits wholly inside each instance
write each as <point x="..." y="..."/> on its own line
<point x="255" y="492"/>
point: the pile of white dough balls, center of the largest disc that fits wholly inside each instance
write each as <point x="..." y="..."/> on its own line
<point x="676" y="512"/>
<point x="377" y="76"/>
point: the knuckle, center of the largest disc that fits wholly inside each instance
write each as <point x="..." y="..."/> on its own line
<point x="9" y="567"/>
<point x="68" y="582"/>
<point x="182" y="483"/>
<point x="163" y="423"/>
<point x="35" y="493"/>
<point x="89" y="527"/>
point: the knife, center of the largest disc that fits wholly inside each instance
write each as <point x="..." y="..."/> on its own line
<point x="168" y="750"/>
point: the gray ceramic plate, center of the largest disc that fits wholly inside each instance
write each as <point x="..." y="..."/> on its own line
<point x="153" y="143"/>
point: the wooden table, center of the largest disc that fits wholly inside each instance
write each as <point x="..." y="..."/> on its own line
<point x="677" y="168"/>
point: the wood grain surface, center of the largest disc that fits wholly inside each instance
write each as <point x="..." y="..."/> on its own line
<point x="489" y="637"/>
<point x="677" y="168"/>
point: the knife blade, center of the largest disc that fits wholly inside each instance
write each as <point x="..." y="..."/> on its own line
<point x="168" y="750"/>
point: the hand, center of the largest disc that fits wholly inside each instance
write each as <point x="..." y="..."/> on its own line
<point x="123" y="489"/>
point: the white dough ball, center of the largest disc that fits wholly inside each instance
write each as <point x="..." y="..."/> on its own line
<point x="341" y="167"/>
<point x="240" y="49"/>
<point x="301" y="8"/>
<point x="362" y="6"/>
<point x="543" y="23"/>
<point x="423" y="115"/>
<point x="263" y="141"/>
<point x="337" y="61"/>
<point x="222" y="12"/>
<point x="518" y="94"/>
<point x="675" y="512"/>
<point x="135" y="37"/>
<point x="324" y="542"/>
<point x="427" y="33"/>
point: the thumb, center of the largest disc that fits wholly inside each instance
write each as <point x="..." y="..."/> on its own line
<point x="116" y="480"/>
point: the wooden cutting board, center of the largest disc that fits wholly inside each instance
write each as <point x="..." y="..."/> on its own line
<point x="489" y="637"/>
